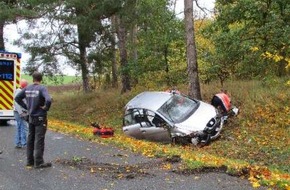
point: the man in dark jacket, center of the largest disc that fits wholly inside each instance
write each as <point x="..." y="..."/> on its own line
<point x="38" y="102"/>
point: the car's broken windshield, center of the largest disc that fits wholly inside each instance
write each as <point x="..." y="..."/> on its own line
<point x="178" y="108"/>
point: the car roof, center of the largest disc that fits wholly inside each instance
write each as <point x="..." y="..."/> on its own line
<point x="149" y="100"/>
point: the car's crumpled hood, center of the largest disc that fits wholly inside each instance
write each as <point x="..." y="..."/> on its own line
<point x="198" y="120"/>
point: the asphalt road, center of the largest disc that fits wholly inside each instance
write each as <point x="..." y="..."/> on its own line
<point x="83" y="165"/>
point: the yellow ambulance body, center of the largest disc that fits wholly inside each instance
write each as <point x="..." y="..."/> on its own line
<point x="9" y="80"/>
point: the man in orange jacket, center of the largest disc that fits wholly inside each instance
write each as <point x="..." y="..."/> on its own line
<point x="173" y="90"/>
<point x="222" y="100"/>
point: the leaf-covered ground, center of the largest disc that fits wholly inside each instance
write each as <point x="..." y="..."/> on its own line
<point x="255" y="145"/>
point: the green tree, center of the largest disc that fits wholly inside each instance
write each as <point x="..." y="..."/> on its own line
<point x="69" y="33"/>
<point x="249" y="35"/>
<point x="158" y="43"/>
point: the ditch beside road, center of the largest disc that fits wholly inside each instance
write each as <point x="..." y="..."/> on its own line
<point x="85" y="165"/>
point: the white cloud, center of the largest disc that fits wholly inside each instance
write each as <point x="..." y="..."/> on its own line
<point x="11" y="33"/>
<point x="207" y="4"/>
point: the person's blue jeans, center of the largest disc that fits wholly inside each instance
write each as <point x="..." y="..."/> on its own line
<point x="21" y="130"/>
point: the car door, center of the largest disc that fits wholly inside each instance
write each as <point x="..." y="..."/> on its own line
<point x="133" y="122"/>
<point x="133" y="130"/>
<point x="157" y="130"/>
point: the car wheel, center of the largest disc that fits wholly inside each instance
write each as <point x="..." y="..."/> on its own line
<point x="205" y="140"/>
<point x="3" y="122"/>
<point x="173" y="140"/>
<point x="195" y="140"/>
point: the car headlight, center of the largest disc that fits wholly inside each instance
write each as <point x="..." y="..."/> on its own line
<point x="212" y="124"/>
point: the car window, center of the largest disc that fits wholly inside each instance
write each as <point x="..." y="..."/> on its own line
<point x="155" y="119"/>
<point x="150" y="115"/>
<point x="158" y="121"/>
<point x="129" y="118"/>
<point x="134" y="116"/>
<point x="178" y="108"/>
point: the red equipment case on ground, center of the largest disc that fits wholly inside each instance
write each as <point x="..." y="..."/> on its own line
<point x="102" y="132"/>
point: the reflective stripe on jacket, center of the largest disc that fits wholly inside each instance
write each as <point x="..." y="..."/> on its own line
<point x="225" y="99"/>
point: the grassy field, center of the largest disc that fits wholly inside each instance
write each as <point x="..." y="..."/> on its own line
<point x="259" y="137"/>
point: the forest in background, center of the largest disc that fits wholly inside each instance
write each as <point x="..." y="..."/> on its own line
<point x="130" y="43"/>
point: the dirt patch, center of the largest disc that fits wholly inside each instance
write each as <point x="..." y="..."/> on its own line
<point x="112" y="170"/>
<point x="141" y="170"/>
<point x="173" y="159"/>
<point x="221" y="169"/>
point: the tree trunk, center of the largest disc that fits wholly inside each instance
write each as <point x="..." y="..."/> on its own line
<point x="133" y="52"/>
<point x="125" y="75"/>
<point x="168" y="78"/>
<point x="83" y="61"/>
<point x="84" y="69"/>
<point x="192" y="68"/>
<point x="114" y="52"/>
<point x="2" y="44"/>
<point x="282" y="64"/>
<point x="114" y="65"/>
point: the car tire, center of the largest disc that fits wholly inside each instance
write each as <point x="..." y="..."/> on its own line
<point x="3" y="122"/>
<point x="195" y="141"/>
<point x="173" y="141"/>
<point x="205" y="141"/>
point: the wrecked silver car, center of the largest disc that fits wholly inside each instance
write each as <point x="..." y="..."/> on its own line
<point x="170" y="117"/>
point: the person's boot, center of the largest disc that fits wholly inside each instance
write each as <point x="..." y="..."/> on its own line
<point x="0" y="152"/>
<point x="44" y="165"/>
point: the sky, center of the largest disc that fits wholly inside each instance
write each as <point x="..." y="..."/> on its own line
<point x="11" y="33"/>
<point x="208" y="4"/>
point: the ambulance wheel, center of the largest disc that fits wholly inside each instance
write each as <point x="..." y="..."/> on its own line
<point x="3" y="122"/>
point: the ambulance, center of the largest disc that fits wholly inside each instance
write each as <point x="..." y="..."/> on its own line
<point x="10" y="63"/>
